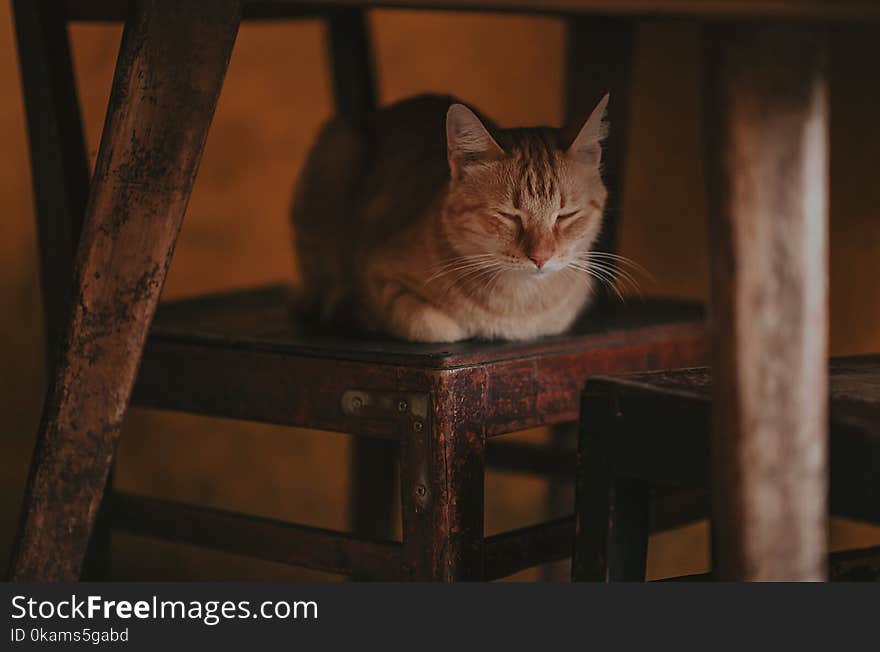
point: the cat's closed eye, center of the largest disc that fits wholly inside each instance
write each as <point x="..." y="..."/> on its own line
<point x="568" y="216"/>
<point x="511" y="218"/>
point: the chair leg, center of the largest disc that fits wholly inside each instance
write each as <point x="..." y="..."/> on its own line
<point x="612" y="526"/>
<point x="629" y="526"/>
<point x="59" y="163"/>
<point x="593" y="494"/>
<point x="156" y="125"/>
<point x="442" y="472"/>
<point x="599" y="61"/>
<point x="612" y="514"/>
<point x="351" y="57"/>
<point x="767" y="129"/>
<point x="373" y="460"/>
<point x="558" y="501"/>
<point x="97" y="564"/>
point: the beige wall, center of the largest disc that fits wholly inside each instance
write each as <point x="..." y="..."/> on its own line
<point x="236" y="235"/>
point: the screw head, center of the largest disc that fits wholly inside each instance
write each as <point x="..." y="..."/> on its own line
<point x="402" y="406"/>
<point x="418" y="425"/>
<point x="357" y="402"/>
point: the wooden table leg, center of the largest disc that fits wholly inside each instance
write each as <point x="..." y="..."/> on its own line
<point x="767" y="128"/>
<point x="168" y="77"/>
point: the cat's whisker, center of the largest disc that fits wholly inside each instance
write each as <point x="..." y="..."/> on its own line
<point x="616" y="260"/>
<point x="473" y="274"/>
<point x="484" y="289"/>
<point x="592" y="279"/>
<point x="459" y="264"/>
<point x="621" y="260"/>
<point x="600" y="275"/>
<point x="625" y="277"/>
<point x="580" y="274"/>
<point x="468" y="257"/>
<point x="460" y="259"/>
<point x="603" y="276"/>
<point x="625" y="266"/>
<point x="451" y="269"/>
<point x="501" y="272"/>
<point x="623" y="282"/>
<point x="620" y="266"/>
<point x="486" y="273"/>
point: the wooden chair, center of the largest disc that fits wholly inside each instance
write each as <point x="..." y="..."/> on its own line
<point x="650" y="431"/>
<point x="240" y="355"/>
<point x="767" y="155"/>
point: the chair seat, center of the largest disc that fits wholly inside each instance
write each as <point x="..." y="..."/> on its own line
<point x="260" y="319"/>
<point x="242" y="355"/>
<point x="662" y="431"/>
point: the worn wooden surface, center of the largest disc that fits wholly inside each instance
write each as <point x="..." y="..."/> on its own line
<point x="59" y="164"/>
<point x="767" y="145"/>
<point x="831" y="9"/>
<point x="243" y="361"/>
<point x="156" y="125"/>
<point x="259" y="319"/>
<point x="272" y="388"/>
<point x="442" y="476"/>
<point x="98" y="561"/>
<point x="853" y="386"/>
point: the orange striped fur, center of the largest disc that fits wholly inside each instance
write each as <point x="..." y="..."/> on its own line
<point x="432" y="224"/>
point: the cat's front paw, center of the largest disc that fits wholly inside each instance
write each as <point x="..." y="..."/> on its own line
<point x="427" y="324"/>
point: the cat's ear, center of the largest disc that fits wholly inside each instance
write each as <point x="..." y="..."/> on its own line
<point x="467" y="140"/>
<point x="587" y="145"/>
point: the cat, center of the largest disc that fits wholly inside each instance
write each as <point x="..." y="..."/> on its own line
<point x="434" y="235"/>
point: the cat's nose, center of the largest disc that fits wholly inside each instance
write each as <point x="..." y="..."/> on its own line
<point x="538" y="260"/>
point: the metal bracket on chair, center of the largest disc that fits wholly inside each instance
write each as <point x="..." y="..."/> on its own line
<point x="385" y="415"/>
<point x="365" y="404"/>
<point x="410" y="413"/>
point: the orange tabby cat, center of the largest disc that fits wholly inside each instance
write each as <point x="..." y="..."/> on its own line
<point x="485" y="232"/>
